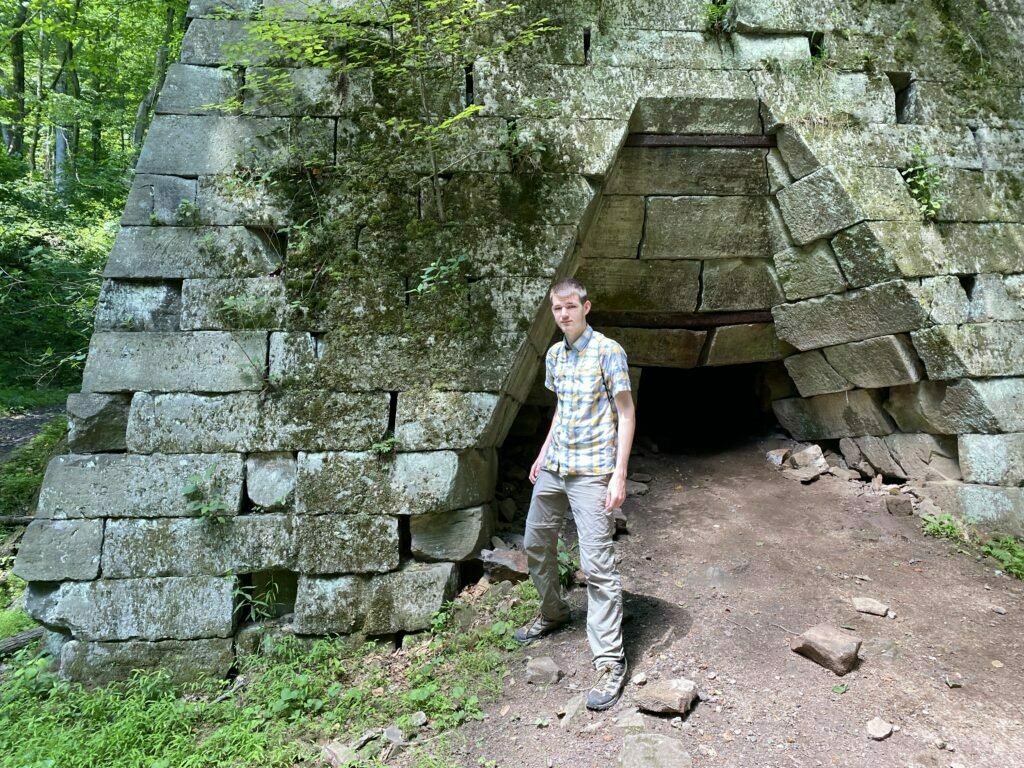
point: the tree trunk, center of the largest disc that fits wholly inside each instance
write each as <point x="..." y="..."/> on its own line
<point x="16" y="144"/>
<point x="44" y="53"/>
<point x="142" y="116"/>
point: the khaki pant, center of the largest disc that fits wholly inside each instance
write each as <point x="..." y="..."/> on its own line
<point x="585" y="494"/>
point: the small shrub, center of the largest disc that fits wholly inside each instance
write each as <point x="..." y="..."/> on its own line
<point x="568" y="563"/>
<point x="923" y="182"/>
<point x="204" y="499"/>
<point x="1009" y="551"/>
<point x="719" y="18"/>
<point x="943" y="526"/>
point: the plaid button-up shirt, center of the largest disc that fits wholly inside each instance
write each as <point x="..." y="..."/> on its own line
<point x="586" y="376"/>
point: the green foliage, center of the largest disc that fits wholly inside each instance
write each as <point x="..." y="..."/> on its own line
<point x="21" y="399"/>
<point x="944" y="526"/>
<point x="22" y="473"/>
<point x="923" y="182"/>
<point x="13" y="618"/>
<point x="297" y="694"/>
<point x="386" y="446"/>
<point x="719" y="18"/>
<point x="445" y="270"/>
<point x="204" y="498"/>
<point x="1009" y="551"/>
<point x="568" y="563"/>
<point x="256" y="603"/>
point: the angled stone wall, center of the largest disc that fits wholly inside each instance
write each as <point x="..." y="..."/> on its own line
<point x="209" y="394"/>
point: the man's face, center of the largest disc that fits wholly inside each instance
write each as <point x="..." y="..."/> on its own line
<point x="570" y="314"/>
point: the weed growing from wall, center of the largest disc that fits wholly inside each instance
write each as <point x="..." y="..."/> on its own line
<point x="923" y="182"/>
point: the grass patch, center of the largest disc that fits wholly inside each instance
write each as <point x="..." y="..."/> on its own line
<point x="15" y="400"/>
<point x="22" y="473"/>
<point x="283" y="702"/>
<point x="1008" y="551"/>
<point x="13" y="618"/>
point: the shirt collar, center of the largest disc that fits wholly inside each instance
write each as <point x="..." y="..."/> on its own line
<point x="582" y="341"/>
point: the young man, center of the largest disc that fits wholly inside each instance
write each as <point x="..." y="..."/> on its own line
<point x="582" y="465"/>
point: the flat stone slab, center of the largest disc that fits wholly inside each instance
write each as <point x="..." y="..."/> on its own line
<point x="181" y="608"/>
<point x="832" y="648"/>
<point x="138" y="307"/>
<point x="346" y="543"/>
<point x="655" y="285"/>
<point x="705" y="228"/>
<point x="233" y="303"/>
<point x="813" y="375"/>
<point x="190" y="252"/>
<point x="192" y="90"/>
<point x="870" y="605"/>
<point x="617" y="228"/>
<point x="673" y="697"/>
<point x="878" y="729"/>
<point x="406" y="600"/>
<point x="185" y="661"/>
<point x="146" y="486"/>
<point x="879" y="310"/>
<point x="809" y="271"/>
<point x="97" y="423"/>
<point x="202" y="361"/>
<point x="739" y="284"/>
<point x="251" y="422"/>
<point x="652" y="750"/>
<point x="56" y="550"/>
<point x="155" y="201"/>
<point x="688" y="171"/>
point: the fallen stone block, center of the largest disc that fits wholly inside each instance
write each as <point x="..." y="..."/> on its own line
<point x="667" y="697"/>
<point x="885" y="308"/>
<point x="832" y="648"/>
<point x="97" y="423"/>
<point x="980" y="349"/>
<point x="878" y="729"/>
<point x="870" y="605"/>
<point x="826" y="417"/>
<point x="958" y="407"/>
<point x="184" y="661"/>
<point x="505" y="564"/>
<point x="885" y="361"/>
<point x="202" y="361"/>
<point x="653" y="750"/>
<point x="145" y="486"/>
<point x="900" y="505"/>
<point x="811" y="456"/>
<point x="451" y="536"/>
<point x="542" y="670"/>
<point x="176" y="608"/>
<point x="813" y="375"/>
<point x="55" y="550"/>
<point x="992" y="459"/>
<point x="777" y="457"/>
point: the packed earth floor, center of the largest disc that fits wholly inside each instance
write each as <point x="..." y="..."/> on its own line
<point x="725" y="560"/>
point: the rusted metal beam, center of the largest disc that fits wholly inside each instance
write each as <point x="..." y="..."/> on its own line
<point x="699" y="140"/>
<point x="688" y="320"/>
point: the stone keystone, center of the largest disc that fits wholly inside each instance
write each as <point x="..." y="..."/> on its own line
<point x="830" y="647"/>
<point x="668" y="697"/>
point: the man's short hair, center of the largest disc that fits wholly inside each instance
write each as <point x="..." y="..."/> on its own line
<point x="569" y="285"/>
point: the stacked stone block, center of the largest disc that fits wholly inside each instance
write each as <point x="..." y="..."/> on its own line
<point x="902" y="337"/>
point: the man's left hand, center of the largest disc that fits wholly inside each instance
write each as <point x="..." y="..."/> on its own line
<point x="616" y="491"/>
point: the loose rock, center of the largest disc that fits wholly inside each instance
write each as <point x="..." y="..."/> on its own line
<point x="636" y="489"/>
<point x="832" y="648"/>
<point x="543" y="670"/>
<point x="870" y="605"/>
<point x="778" y="456"/>
<point x="505" y="564"/>
<point x="673" y="697"/>
<point x="900" y="505"/>
<point x="879" y="729"/>
<point x="999" y="609"/>
<point x="641" y="477"/>
<point x="631" y="721"/>
<point x="572" y="710"/>
<point x="651" y="750"/>
<point x="338" y="754"/>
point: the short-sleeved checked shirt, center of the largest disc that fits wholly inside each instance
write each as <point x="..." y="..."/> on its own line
<point x="586" y="376"/>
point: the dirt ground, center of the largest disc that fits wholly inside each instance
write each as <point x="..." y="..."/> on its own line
<point x="19" y="429"/>
<point x="725" y="560"/>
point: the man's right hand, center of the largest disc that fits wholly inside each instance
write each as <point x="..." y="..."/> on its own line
<point x="536" y="468"/>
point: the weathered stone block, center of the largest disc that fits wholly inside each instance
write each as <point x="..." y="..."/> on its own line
<point x="878" y="193"/>
<point x="697" y="114"/>
<point x="799" y="158"/>
<point x="234" y="303"/>
<point x="406" y="600"/>
<point x="767" y="16"/>
<point x="657" y="48"/>
<point x="826" y="417"/>
<point x="688" y="171"/>
<point x="203" y="361"/>
<point x="198" y="9"/>
<point x="159" y="200"/>
<point x="212" y="42"/>
<point x="176" y="252"/>
<point x="995" y="297"/>
<point x="97" y="423"/>
<point x="185" y="661"/>
<point x="738" y="284"/>
<point x="346" y="543"/>
<point x="659" y="347"/>
<point x="993" y="507"/>
<point x="222" y="202"/>
<point x="813" y="375"/>
<point x="778" y="174"/>
<point x="978" y="249"/>
<point x="138" y="307"/>
<point x="126" y="485"/>
<point x="970" y="195"/>
<point x="705" y="228"/>
<point x="992" y="459"/>
<point x="885" y="361"/>
<point x="832" y="648"/>
<point x="452" y="536"/>
<point x="481" y="199"/>
<point x="191" y="90"/>
<point x="809" y="271"/>
<point x="748" y="343"/>
<point x="751" y="50"/>
<point x="817" y="206"/>
<point x="797" y="94"/>
<point x="617" y="228"/>
<point x="964" y="406"/>
<point x="246" y="422"/>
<point x="881" y="309"/>
<point x="641" y="284"/>
<point x="586" y="147"/>
<point x="328" y="605"/>
<point x="892" y="146"/>
<point x="925" y="457"/>
<point x="197" y="145"/>
<point x="55" y="550"/>
<point x="270" y="480"/>
<point x="981" y="349"/>
<point x="132" y="609"/>
<point x="944" y="299"/>
<point x="405" y="484"/>
<point x="307" y="91"/>
<point x="865" y="260"/>
<point x="195" y="547"/>
<point x="431" y="420"/>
